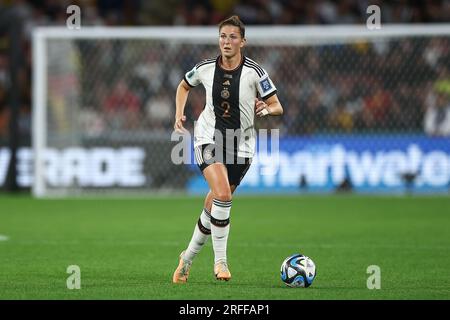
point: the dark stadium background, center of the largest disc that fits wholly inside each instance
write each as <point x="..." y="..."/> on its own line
<point x="127" y="248"/>
<point x="400" y="111"/>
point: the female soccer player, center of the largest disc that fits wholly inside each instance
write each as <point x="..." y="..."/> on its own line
<point x="224" y="137"/>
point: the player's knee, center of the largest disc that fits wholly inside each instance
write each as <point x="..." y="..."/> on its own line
<point x="223" y="194"/>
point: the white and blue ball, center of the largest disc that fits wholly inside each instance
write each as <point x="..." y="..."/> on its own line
<point x="298" y="271"/>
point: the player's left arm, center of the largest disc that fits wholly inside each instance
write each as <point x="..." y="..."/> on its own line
<point x="271" y="106"/>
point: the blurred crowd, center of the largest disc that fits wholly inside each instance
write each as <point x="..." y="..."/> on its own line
<point x="252" y="12"/>
<point x="398" y="85"/>
<point x="384" y="86"/>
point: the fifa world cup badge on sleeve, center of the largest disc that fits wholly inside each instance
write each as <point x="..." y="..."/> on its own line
<point x="265" y="85"/>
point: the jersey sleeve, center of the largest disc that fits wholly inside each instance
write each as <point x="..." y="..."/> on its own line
<point x="265" y="86"/>
<point x="192" y="77"/>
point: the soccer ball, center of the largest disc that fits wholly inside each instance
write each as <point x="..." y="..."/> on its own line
<point x="297" y="271"/>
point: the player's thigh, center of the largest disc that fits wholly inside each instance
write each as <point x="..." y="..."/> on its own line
<point x="217" y="177"/>
<point x="237" y="171"/>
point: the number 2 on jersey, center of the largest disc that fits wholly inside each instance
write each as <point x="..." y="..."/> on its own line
<point x="226" y="106"/>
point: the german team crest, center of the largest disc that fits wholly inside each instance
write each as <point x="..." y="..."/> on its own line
<point x="225" y="94"/>
<point x="207" y="154"/>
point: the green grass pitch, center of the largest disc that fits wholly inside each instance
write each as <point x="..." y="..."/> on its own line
<point x="128" y="248"/>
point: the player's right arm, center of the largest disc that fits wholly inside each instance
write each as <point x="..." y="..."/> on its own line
<point x="180" y="103"/>
<point x="191" y="79"/>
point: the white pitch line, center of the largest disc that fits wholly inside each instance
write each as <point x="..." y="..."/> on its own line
<point x="3" y="237"/>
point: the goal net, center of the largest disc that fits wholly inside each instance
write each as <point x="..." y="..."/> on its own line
<point x="362" y="108"/>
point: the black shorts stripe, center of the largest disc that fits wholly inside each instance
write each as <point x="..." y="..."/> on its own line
<point x="202" y="228"/>
<point x="220" y="223"/>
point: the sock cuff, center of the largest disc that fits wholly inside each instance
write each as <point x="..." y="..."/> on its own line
<point x="220" y="213"/>
<point x="205" y="221"/>
<point x="220" y="223"/>
<point x="202" y="228"/>
<point x="206" y="213"/>
<point x="223" y="204"/>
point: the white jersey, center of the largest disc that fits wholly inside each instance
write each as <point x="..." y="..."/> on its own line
<point x="230" y="101"/>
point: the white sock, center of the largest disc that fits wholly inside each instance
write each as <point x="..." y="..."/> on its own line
<point x="202" y="231"/>
<point x="220" y="227"/>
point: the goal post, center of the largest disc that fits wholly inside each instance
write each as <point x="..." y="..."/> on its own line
<point x="103" y="106"/>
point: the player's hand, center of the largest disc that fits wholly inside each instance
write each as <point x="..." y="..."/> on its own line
<point x="178" y="126"/>
<point x="261" y="108"/>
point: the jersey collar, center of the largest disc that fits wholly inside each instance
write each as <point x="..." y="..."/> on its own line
<point x="219" y="58"/>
